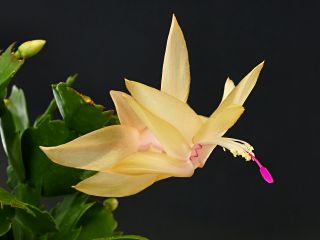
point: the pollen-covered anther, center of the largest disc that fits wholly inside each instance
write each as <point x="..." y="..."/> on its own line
<point x="237" y="147"/>
<point x="241" y="153"/>
<point x="250" y="148"/>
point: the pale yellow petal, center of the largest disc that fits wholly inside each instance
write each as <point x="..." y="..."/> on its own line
<point x="176" y="72"/>
<point x="115" y="185"/>
<point x="218" y="123"/>
<point x="240" y="93"/>
<point x="169" y="137"/>
<point x="125" y="114"/>
<point x="154" y="162"/>
<point x="170" y="109"/>
<point x="96" y="150"/>
<point x="203" y="118"/>
<point x="228" y="87"/>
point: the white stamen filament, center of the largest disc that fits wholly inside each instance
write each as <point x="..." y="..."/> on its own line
<point x="236" y="147"/>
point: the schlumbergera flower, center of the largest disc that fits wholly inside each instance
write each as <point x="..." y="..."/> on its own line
<point x="30" y="48"/>
<point x="160" y="136"/>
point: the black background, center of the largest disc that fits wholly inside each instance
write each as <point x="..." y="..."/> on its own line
<point x="105" y="41"/>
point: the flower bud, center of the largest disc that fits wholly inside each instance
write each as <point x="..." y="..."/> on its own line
<point x="111" y="203"/>
<point x="30" y="48"/>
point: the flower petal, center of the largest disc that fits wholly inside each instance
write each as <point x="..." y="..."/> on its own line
<point x="115" y="185"/>
<point x="240" y="93"/>
<point x="176" y="72"/>
<point x="228" y="87"/>
<point x="126" y="115"/>
<point x="170" y="138"/>
<point x="96" y="150"/>
<point x="218" y="124"/>
<point x="169" y="108"/>
<point x="203" y="118"/>
<point x="153" y="162"/>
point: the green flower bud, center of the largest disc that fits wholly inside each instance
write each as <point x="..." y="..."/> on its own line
<point x="111" y="203"/>
<point x="30" y="48"/>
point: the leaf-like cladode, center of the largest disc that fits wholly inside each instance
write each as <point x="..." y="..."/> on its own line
<point x="72" y="234"/>
<point x="11" y="141"/>
<point x="14" y="120"/>
<point x="79" y="111"/>
<point x="68" y="213"/>
<point x="27" y="193"/>
<point x="52" y="178"/>
<point x="79" y="217"/>
<point x="49" y="113"/>
<point x="9" y="199"/>
<point x="17" y="106"/>
<point x="39" y="223"/>
<point x="9" y="65"/>
<point x="123" y="237"/>
<point x="97" y="222"/>
<point x="6" y="215"/>
<point x="28" y="216"/>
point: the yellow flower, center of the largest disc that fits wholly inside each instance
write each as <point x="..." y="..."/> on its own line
<point x="160" y="136"/>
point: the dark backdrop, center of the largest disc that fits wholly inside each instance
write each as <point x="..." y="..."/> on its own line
<point x="105" y="41"/>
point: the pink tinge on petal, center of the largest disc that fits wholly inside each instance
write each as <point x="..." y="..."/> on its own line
<point x="195" y="151"/>
<point x="264" y="171"/>
<point x="195" y="154"/>
<point x="147" y="139"/>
